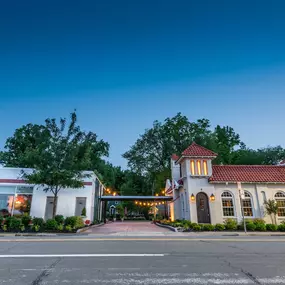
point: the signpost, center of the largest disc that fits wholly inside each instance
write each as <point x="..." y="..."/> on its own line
<point x="241" y="197"/>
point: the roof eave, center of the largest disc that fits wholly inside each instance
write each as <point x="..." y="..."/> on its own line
<point x="193" y="157"/>
<point x="247" y="182"/>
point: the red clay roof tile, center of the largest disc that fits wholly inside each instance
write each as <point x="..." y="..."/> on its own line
<point x="248" y="173"/>
<point x="195" y="150"/>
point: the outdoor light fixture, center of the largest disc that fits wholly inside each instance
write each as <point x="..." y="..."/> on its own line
<point x="212" y="198"/>
<point x="114" y="194"/>
<point x="193" y="198"/>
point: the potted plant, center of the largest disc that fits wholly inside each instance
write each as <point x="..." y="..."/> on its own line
<point x="121" y="212"/>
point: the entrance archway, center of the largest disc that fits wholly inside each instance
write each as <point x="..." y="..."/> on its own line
<point x="203" y="210"/>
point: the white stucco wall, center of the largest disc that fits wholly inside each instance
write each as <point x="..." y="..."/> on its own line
<point x="194" y="185"/>
<point x="66" y="198"/>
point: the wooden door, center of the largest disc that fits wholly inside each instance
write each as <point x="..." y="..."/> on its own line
<point x="203" y="211"/>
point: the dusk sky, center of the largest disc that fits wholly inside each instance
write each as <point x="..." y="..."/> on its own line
<point x="123" y="64"/>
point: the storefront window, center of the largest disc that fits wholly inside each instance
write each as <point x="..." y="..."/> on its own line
<point x="22" y="204"/>
<point x="15" y="200"/>
<point x="6" y="204"/>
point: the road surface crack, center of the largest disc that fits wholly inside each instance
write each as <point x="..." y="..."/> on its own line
<point x="250" y="276"/>
<point x="45" y="273"/>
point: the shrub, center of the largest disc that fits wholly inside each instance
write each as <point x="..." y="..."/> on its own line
<point x="22" y="228"/>
<point x="83" y="213"/>
<point x="192" y="225"/>
<point x="220" y="227"/>
<point x="260" y="227"/>
<point x="38" y="221"/>
<point x="4" y="228"/>
<point x="68" y="228"/>
<point x="60" y="227"/>
<point x="231" y="224"/>
<point x="13" y="223"/>
<point x="59" y="219"/>
<point x="271" y="227"/>
<point x="250" y="226"/>
<point x="51" y="224"/>
<point x="208" y="228"/>
<point x="281" y="228"/>
<point x="2" y="220"/>
<point x="259" y="221"/>
<point x="74" y="222"/>
<point x="36" y="228"/>
<point x="26" y="220"/>
<point x="197" y="228"/>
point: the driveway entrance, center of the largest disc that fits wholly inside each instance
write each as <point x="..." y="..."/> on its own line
<point x="129" y="228"/>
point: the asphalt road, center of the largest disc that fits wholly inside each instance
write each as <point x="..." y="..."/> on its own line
<point x="146" y="261"/>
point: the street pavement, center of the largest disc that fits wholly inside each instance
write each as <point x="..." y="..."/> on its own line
<point x="146" y="260"/>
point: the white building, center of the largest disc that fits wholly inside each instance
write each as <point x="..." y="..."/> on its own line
<point x="17" y="197"/>
<point x="206" y="193"/>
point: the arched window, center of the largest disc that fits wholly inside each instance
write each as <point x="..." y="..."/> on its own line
<point x="247" y="205"/>
<point x="228" y="204"/>
<point x="280" y="199"/>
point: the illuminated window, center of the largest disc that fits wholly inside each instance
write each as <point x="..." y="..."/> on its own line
<point x="199" y="167"/>
<point x="228" y="204"/>
<point x="247" y="205"/>
<point x="205" y="166"/>
<point x="280" y="199"/>
<point x="193" y="167"/>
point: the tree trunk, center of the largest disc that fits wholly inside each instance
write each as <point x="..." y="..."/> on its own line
<point x="54" y="206"/>
<point x="275" y="220"/>
<point x="271" y="216"/>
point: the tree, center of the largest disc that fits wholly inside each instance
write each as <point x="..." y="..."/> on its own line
<point x="150" y="155"/>
<point x="271" y="208"/>
<point x="58" y="154"/>
<point x="225" y="141"/>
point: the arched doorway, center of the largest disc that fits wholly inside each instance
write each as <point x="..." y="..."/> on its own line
<point x="203" y="210"/>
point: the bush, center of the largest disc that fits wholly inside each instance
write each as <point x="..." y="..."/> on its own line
<point x="13" y="223"/>
<point x="281" y="228"/>
<point x="250" y="226"/>
<point x="220" y="227"/>
<point x="51" y="224"/>
<point x="59" y="219"/>
<point x="1" y="220"/>
<point x="38" y="221"/>
<point x="271" y="227"/>
<point x="60" y="227"/>
<point x="259" y="221"/>
<point x="22" y="228"/>
<point x="36" y="228"/>
<point x="231" y="224"/>
<point x="68" y="228"/>
<point x="260" y="227"/>
<point x="197" y="228"/>
<point x="4" y="228"/>
<point x="74" y="222"/>
<point x="208" y="228"/>
<point x="26" y="220"/>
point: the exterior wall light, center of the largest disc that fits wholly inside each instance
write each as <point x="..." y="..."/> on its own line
<point x="192" y="198"/>
<point x="212" y="198"/>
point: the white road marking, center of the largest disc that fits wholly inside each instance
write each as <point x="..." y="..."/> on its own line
<point x="82" y="255"/>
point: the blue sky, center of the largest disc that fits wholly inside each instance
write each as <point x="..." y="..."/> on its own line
<point x="123" y="64"/>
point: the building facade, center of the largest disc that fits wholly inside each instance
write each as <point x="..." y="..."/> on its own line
<point x="207" y="193"/>
<point x="19" y="198"/>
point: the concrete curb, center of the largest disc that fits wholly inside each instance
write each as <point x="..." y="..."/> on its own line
<point x="167" y="227"/>
<point x="88" y="228"/>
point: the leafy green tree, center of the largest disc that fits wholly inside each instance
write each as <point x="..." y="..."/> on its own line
<point x="225" y="141"/>
<point x="271" y="209"/>
<point x="58" y="153"/>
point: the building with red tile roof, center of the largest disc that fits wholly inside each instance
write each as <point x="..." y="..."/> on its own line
<point x="208" y="193"/>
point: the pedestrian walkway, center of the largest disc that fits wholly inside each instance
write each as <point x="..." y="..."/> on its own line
<point x="130" y="228"/>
